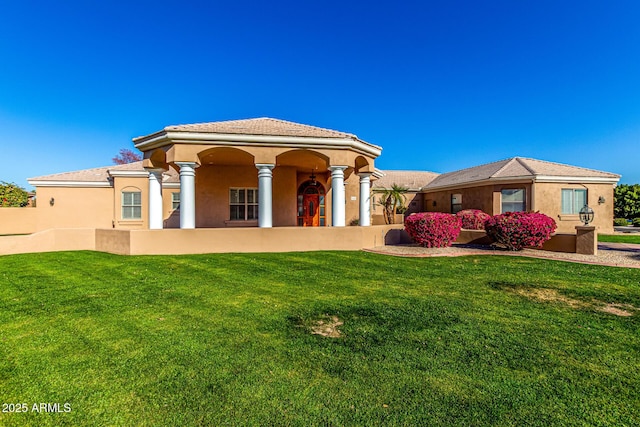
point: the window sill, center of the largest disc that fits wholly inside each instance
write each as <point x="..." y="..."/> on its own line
<point x="235" y="223"/>
<point x="569" y="217"/>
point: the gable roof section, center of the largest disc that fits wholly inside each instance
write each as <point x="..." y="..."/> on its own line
<point x="260" y="131"/>
<point x="413" y="180"/>
<point x="520" y="168"/>
<point x="97" y="177"/>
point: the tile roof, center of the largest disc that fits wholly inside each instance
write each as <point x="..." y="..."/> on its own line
<point x="516" y="167"/>
<point x="413" y="180"/>
<point x="101" y="174"/>
<point x="262" y="126"/>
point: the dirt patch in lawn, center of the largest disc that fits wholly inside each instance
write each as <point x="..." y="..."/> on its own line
<point x="624" y="310"/>
<point x="551" y="295"/>
<point x="327" y="327"/>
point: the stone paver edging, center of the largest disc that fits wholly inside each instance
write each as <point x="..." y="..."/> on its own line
<point x="609" y="254"/>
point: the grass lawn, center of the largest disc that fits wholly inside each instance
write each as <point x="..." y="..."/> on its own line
<point x="227" y="340"/>
<point x="619" y="238"/>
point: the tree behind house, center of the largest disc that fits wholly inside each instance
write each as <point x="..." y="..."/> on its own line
<point x="126" y="156"/>
<point x="627" y="201"/>
<point x="12" y="195"/>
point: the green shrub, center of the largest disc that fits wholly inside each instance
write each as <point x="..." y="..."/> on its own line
<point x="636" y="222"/>
<point x="620" y="222"/>
<point x="12" y="195"/>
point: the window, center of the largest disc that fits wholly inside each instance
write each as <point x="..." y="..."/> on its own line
<point x="456" y="203"/>
<point x="243" y="204"/>
<point x="573" y="200"/>
<point x="131" y="205"/>
<point x="513" y="200"/>
<point x="175" y="200"/>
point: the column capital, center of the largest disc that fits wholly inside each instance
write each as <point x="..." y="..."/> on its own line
<point x="365" y="174"/>
<point x="337" y="168"/>
<point x="193" y="165"/>
<point x="265" y="166"/>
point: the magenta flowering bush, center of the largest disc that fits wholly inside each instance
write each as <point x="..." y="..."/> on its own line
<point x="473" y="219"/>
<point x="433" y="229"/>
<point x="517" y="230"/>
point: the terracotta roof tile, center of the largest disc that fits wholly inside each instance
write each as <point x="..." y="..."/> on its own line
<point x="261" y="126"/>
<point x="516" y="167"/>
<point x="413" y="180"/>
<point x="101" y="174"/>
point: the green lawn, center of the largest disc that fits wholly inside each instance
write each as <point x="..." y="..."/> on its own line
<point x="619" y="238"/>
<point x="226" y="340"/>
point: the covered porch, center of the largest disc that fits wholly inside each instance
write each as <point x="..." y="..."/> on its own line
<point x="260" y="172"/>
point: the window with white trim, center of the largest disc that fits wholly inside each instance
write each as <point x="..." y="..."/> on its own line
<point x="513" y="200"/>
<point x="243" y="204"/>
<point x="573" y="199"/>
<point x="456" y="203"/>
<point x="131" y="205"/>
<point x="175" y="200"/>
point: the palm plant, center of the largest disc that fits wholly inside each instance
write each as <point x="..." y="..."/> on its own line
<point x="393" y="201"/>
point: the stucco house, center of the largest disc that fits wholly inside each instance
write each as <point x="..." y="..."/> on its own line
<point x="272" y="173"/>
<point x="242" y="173"/>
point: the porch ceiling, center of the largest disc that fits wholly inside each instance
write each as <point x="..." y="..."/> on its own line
<point x="302" y="160"/>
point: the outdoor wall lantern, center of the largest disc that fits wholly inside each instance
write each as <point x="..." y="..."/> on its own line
<point x="52" y="201"/>
<point x="601" y="200"/>
<point x="586" y="215"/>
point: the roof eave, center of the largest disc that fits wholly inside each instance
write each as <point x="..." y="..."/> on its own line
<point x="589" y="179"/>
<point x="488" y="181"/>
<point x="62" y="183"/>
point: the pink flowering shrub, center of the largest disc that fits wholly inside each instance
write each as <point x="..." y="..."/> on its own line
<point x="517" y="230"/>
<point x="473" y="219"/>
<point x="433" y="229"/>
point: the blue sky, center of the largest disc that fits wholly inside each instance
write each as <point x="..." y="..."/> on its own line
<point x="440" y="85"/>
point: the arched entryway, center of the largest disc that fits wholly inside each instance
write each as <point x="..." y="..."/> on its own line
<point x="311" y="204"/>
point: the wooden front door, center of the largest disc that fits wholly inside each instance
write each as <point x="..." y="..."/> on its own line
<point x="311" y="208"/>
<point x="311" y="211"/>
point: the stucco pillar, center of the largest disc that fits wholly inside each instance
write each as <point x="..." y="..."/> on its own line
<point x="265" y="209"/>
<point x="187" y="194"/>
<point x="155" y="199"/>
<point x="586" y="240"/>
<point x="365" y="199"/>
<point x="337" y="196"/>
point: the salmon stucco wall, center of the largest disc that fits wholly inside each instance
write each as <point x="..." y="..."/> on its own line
<point x="487" y="198"/>
<point x="548" y="197"/>
<point x="74" y="207"/>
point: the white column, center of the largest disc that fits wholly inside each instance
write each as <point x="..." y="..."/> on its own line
<point x="365" y="201"/>
<point x="187" y="194"/>
<point x="337" y="196"/>
<point x="265" y="209"/>
<point x="155" y="199"/>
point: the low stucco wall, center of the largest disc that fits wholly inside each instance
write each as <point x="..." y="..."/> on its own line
<point x="215" y="240"/>
<point x="557" y="243"/>
<point x="74" y="239"/>
<point x="221" y="240"/>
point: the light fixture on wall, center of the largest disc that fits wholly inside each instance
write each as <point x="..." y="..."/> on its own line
<point x="313" y="178"/>
<point x="586" y="215"/>
<point x="601" y="200"/>
<point x="52" y="201"/>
